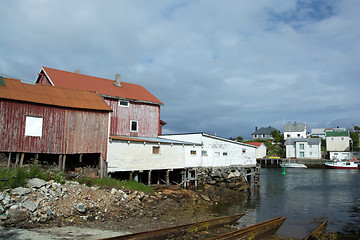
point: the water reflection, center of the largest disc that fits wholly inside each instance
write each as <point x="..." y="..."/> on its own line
<point x="306" y="197"/>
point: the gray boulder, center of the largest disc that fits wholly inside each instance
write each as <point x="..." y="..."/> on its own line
<point x="36" y="183"/>
<point x="19" y="191"/>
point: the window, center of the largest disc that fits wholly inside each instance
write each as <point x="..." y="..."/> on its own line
<point x="33" y="126"/>
<point x="255" y="135"/>
<point x="301" y="146"/>
<point x="310" y="153"/>
<point x="156" y="150"/>
<point x="263" y="135"/>
<point x="298" y="135"/>
<point x="133" y="126"/>
<point x="244" y="150"/>
<point x="217" y="153"/>
<point x="123" y="103"/>
<point x="224" y="153"/>
<point x="302" y="154"/>
<point x="342" y="139"/>
<point x="204" y="153"/>
<point x="288" y="135"/>
<point x="193" y="152"/>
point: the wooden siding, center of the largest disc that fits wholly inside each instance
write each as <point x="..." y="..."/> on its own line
<point x="147" y="115"/>
<point x="43" y="79"/>
<point x="64" y="131"/>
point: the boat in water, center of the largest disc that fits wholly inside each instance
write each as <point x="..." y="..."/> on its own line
<point x="292" y="165"/>
<point x="338" y="164"/>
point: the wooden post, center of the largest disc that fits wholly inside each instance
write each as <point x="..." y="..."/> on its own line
<point x="149" y="177"/>
<point x="22" y="159"/>
<point x="17" y="160"/>
<point x="63" y="163"/>
<point x="81" y="158"/>
<point x="101" y="166"/>
<point x="131" y="176"/>
<point x="158" y="177"/>
<point x="168" y="177"/>
<point x="36" y="156"/>
<point x="9" y="161"/>
<point x="60" y="163"/>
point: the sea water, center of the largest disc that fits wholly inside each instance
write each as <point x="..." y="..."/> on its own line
<point x="306" y="197"/>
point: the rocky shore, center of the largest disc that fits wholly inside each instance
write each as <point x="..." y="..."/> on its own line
<point x="50" y="204"/>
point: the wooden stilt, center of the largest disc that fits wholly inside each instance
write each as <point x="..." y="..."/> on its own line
<point x="168" y="177"/>
<point x="131" y="176"/>
<point x="158" y="177"/>
<point x="63" y="163"/>
<point x="22" y="159"/>
<point x="9" y="161"/>
<point x="149" y="177"/>
<point x="81" y="158"/>
<point x="60" y="163"/>
<point x="36" y="156"/>
<point x="17" y="160"/>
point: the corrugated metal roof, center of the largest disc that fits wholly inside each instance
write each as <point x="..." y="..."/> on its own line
<point x="101" y="85"/>
<point x="63" y="97"/>
<point x="294" y="127"/>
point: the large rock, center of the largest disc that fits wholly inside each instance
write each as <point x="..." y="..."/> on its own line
<point x="36" y="183"/>
<point x="17" y="215"/>
<point x="19" y="191"/>
<point x="30" y="205"/>
<point x="81" y="207"/>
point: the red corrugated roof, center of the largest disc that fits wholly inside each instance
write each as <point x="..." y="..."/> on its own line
<point x="16" y="90"/>
<point x="258" y="144"/>
<point x="101" y="85"/>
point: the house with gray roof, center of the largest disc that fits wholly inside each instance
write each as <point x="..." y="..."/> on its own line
<point x="294" y="130"/>
<point x="263" y="133"/>
<point x="303" y="148"/>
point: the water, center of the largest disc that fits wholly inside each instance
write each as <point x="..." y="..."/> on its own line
<point x="306" y="197"/>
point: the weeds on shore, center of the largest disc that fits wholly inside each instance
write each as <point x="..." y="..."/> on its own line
<point x="17" y="177"/>
<point x="114" y="183"/>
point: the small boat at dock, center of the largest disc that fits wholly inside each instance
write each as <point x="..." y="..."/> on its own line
<point x="338" y="164"/>
<point x="292" y="165"/>
<point x="319" y="232"/>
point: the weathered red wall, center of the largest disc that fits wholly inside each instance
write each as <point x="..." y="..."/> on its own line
<point x="43" y="79"/>
<point x="65" y="131"/>
<point x="147" y="115"/>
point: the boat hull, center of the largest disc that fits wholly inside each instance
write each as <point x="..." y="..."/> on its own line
<point x="337" y="164"/>
<point x="293" y="165"/>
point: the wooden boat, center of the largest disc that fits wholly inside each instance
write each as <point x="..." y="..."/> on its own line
<point x="319" y="232"/>
<point x="338" y="164"/>
<point x="256" y="231"/>
<point x="177" y="230"/>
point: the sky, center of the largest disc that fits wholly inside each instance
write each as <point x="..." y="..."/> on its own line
<point x="220" y="67"/>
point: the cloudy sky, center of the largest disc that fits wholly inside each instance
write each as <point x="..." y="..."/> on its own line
<point x="220" y="67"/>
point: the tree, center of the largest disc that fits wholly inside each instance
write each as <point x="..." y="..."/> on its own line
<point x="239" y="139"/>
<point x="276" y="136"/>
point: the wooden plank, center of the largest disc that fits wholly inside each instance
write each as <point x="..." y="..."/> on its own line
<point x="256" y="231"/>
<point x="164" y="232"/>
<point x="319" y="232"/>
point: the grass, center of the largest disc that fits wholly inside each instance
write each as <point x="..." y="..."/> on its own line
<point x="17" y="177"/>
<point x="114" y="183"/>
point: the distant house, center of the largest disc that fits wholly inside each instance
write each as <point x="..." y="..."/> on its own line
<point x="337" y="141"/>
<point x="263" y="133"/>
<point x="261" y="149"/>
<point x="294" y="130"/>
<point x="136" y="112"/>
<point x="318" y="132"/>
<point x="53" y="123"/>
<point x="303" y="148"/>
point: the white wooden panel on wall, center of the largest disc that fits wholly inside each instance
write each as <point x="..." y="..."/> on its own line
<point x="138" y="156"/>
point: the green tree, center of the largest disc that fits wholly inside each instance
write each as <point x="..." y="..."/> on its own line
<point x="239" y="139"/>
<point x="355" y="138"/>
<point x="276" y="136"/>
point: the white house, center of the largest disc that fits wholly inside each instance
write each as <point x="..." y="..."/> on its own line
<point x="217" y="151"/>
<point x="294" y="130"/>
<point x="337" y="141"/>
<point x="263" y="133"/>
<point x="261" y="149"/>
<point x="305" y="148"/>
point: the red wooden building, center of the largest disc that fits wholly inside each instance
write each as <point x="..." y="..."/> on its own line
<point x="58" y="122"/>
<point x="135" y="111"/>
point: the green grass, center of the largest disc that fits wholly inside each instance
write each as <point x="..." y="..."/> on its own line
<point x="114" y="183"/>
<point x="17" y="177"/>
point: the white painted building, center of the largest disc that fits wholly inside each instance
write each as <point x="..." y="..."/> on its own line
<point x="337" y="141"/>
<point x="294" y="130"/>
<point x="216" y="151"/>
<point x="141" y="153"/>
<point x="261" y="149"/>
<point x="303" y="148"/>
